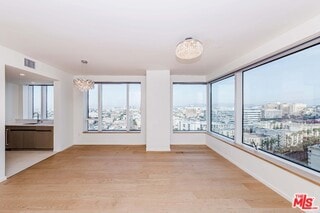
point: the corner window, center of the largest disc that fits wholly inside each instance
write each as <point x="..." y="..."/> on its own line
<point x="41" y="102"/>
<point x="222" y="107"/>
<point x="114" y="107"/>
<point x="281" y="107"/>
<point x="189" y="107"/>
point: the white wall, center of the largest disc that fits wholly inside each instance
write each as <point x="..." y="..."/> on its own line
<point x="63" y="123"/>
<point x="158" y="119"/>
<point x="63" y="113"/>
<point x="124" y="138"/>
<point x="188" y="138"/>
<point x="2" y="120"/>
<point x="281" y="181"/>
<point x="13" y="102"/>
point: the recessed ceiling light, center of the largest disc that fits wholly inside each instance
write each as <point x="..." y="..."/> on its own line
<point x="22" y="74"/>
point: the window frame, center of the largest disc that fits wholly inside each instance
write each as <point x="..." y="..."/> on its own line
<point x="206" y="107"/>
<point x="44" y="99"/>
<point x="276" y="57"/>
<point x="99" y="119"/>
<point x="210" y="83"/>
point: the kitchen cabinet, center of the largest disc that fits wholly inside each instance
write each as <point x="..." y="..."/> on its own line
<point x="29" y="137"/>
<point x="15" y="138"/>
<point x="44" y="138"/>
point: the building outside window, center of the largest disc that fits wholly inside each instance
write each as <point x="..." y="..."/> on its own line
<point x="41" y="105"/>
<point x="134" y="117"/>
<point x="222" y="107"/>
<point x="281" y="110"/>
<point x="93" y="109"/>
<point x="189" y="107"/>
<point x="114" y="107"/>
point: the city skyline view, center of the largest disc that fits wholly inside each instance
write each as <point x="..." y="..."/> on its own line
<point x="281" y="112"/>
<point x="37" y="101"/>
<point x="113" y="114"/>
<point x="189" y="103"/>
<point x="222" y="107"/>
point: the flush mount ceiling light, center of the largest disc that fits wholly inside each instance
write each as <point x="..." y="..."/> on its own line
<point x="83" y="84"/>
<point x="189" y="49"/>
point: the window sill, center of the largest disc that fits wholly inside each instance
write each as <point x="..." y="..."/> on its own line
<point x="221" y="137"/>
<point x="111" y="132"/>
<point x="300" y="171"/>
<point x="183" y="132"/>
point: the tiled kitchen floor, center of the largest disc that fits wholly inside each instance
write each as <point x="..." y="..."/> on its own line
<point x="17" y="161"/>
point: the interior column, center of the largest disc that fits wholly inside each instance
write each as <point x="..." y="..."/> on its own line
<point x="158" y="122"/>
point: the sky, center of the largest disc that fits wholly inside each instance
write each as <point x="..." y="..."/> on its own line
<point x="115" y="95"/>
<point x="222" y="92"/>
<point x="38" y="98"/>
<point x="292" y="79"/>
<point x="50" y="98"/>
<point x="189" y="94"/>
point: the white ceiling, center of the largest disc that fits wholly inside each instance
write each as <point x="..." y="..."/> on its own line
<point x="13" y="76"/>
<point x="124" y="37"/>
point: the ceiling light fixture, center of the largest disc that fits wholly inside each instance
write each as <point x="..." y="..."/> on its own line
<point x="189" y="49"/>
<point x="83" y="84"/>
<point x="22" y="74"/>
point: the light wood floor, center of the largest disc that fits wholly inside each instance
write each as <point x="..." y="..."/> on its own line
<point x="127" y="179"/>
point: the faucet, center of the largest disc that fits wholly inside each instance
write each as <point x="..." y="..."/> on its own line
<point x="38" y="116"/>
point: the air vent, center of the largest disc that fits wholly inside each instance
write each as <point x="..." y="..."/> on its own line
<point x="29" y="63"/>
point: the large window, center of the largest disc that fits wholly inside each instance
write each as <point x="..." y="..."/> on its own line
<point x="222" y="107"/>
<point x="189" y="107"/>
<point x="93" y="100"/>
<point x="281" y="113"/>
<point x="41" y="102"/>
<point x="114" y="107"/>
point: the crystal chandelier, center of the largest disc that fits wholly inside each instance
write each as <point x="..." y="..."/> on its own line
<point x="189" y="49"/>
<point x="83" y="84"/>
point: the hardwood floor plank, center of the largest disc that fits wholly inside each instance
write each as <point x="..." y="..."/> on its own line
<point x="128" y="179"/>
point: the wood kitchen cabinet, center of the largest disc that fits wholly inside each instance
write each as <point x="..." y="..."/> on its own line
<point x="15" y="138"/>
<point x="29" y="137"/>
<point x="44" y="138"/>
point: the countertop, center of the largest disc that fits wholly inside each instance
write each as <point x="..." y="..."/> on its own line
<point x="29" y="124"/>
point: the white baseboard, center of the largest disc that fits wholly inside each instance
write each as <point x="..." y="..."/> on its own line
<point x="62" y="149"/>
<point x="158" y="149"/>
<point x="3" y="178"/>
